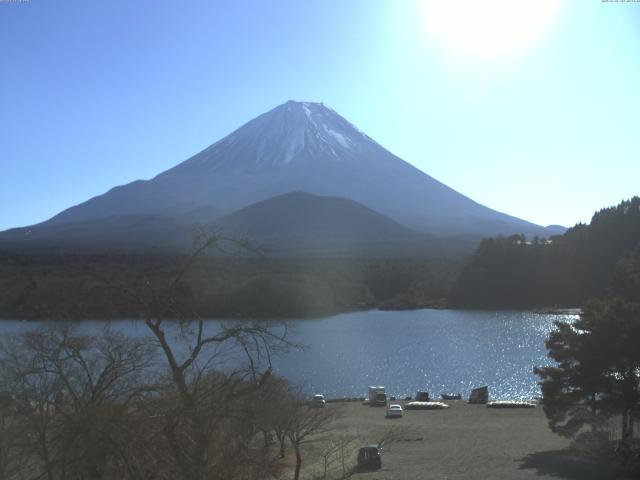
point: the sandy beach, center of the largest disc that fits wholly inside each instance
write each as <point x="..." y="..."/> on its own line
<point x="466" y="441"/>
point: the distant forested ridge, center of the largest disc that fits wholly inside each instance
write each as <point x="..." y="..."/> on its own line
<point x="562" y="271"/>
<point x="503" y="272"/>
<point x="74" y="286"/>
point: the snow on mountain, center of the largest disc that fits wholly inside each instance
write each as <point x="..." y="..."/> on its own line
<point x="293" y="133"/>
<point x="300" y="146"/>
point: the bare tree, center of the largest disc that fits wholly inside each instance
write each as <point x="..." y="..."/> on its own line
<point x="308" y="425"/>
<point x="72" y="397"/>
<point x="335" y="452"/>
<point x="214" y="372"/>
<point x="11" y="436"/>
<point x="338" y="451"/>
<point x="183" y="402"/>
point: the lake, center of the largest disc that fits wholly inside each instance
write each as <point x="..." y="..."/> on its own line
<point x="441" y="351"/>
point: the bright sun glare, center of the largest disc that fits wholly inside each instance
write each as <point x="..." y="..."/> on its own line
<point x="488" y="29"/>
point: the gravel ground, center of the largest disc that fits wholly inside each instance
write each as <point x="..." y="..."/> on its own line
<point x="464" y="442"/>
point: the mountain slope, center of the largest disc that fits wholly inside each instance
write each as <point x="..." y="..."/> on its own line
<point x="300" y="213"/>
<point x="133" y="233"/>
<point x="301" y="223"/>
<point x="293" y="224"/>
<point x="301" y="146"/>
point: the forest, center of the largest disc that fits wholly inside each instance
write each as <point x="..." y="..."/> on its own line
<point x="590" y="391"/>
<point x="502" y="273"/>
<point x="76" y="287"/>
<point x="561" y="271"/>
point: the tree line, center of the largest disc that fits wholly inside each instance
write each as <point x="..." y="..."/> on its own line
<point x="37" y="286"/>
<point x="562" y="271"/>
<point x="592" y="391"/>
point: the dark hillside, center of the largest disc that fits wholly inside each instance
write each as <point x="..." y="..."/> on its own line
<point x="299" y="224"/>
<point x="565" y="270"/>
<point x="91" y="286"/>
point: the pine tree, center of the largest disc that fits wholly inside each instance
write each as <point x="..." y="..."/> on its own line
<point x="597" y="375"/>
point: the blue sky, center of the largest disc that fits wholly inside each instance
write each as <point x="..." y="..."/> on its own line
<point x="97" y="94"/>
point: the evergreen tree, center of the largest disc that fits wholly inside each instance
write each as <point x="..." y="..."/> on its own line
<point x="564" y="271"/>
<point x="597" y="375"/>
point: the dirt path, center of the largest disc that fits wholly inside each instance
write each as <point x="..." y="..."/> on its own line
<point x="467" y="441"/>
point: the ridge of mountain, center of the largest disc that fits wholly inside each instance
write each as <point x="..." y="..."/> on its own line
<point x="297" y="146"/>
<point x="292" y="224"/>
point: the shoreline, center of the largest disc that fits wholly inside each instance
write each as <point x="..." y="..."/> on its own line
<point x="542" y="311"/>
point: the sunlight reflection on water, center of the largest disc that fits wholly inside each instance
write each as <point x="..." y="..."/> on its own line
<point x="441" y="351"/>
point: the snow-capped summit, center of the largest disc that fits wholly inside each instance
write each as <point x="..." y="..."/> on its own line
<point x="299" y="146"/>
<point x="294" y="132"/>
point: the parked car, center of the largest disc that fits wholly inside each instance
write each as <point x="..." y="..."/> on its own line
<point x="318" y="401"/>
<point x="394" y="411"/>
<point x="369" y="458"/>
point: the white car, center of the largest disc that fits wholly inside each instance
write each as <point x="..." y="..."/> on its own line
<point x="318" y="401"/>
<point x="394" y="411"/>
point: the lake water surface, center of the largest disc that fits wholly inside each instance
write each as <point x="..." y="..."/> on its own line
<point x="441" y="351"/>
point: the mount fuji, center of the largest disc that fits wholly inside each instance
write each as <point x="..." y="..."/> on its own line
<point x="296" y="147"/>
